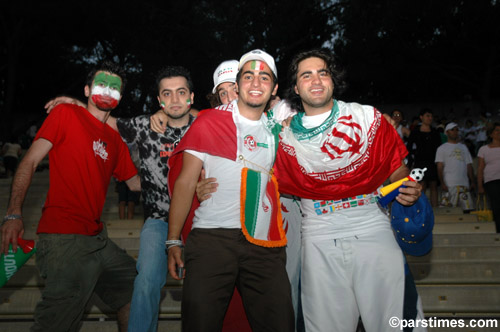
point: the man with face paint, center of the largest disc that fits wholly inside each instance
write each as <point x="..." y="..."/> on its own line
<point x="75" y="256"/>
<point x="175" y="97"/>
<point x="229" y="245"/>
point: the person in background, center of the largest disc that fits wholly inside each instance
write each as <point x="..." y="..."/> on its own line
<point x="422" y="144"/>
<point x="488" y="172"/>
<point x="11" y="152"/>
<point x="402" y="130"/>
<point x="128" y="199"/>
<point x="454" y="167"/>
<point x="482" y="127"/>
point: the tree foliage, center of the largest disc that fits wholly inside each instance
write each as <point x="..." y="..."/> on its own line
<point x="403" y="51"/>
<point x="393" y="50"/>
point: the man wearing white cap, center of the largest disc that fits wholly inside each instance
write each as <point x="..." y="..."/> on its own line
<point x="225" y="82"/>
<point x="454" y="166"/>
<point x="237" y="237"/>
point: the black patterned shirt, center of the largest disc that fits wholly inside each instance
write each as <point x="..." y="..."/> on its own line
<point x="154" y="151"/>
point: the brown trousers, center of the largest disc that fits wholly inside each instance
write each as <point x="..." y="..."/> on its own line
<point x="216" y="261"/>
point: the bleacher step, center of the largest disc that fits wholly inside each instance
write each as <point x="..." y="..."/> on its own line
<point x="459" y="254"/>
<point x="451" y="218"/>
<point x="460" y="298"/>
<point x="464" y="227"/>
<point x="455" y="273"/>
<point x="93" y="326"/>
<point x="481" y="239"/>
<point x="18" y="303"/>
<point x="447" y="210"/>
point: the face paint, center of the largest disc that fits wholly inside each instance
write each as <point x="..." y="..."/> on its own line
<point x="162" y="105"/>
<point x="188" y="101"/>
<point x="257" y="65"/>
<point x="106" y="91"/>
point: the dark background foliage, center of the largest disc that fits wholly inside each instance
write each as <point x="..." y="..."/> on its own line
<point x="393" y="51"/>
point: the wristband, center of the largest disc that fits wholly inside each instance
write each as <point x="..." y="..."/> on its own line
<point x="11" y="217"/>
<point x="173" y="243"/>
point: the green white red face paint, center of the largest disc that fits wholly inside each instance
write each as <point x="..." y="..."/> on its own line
<point x="188" y="101"/>
<point x="257" y="65"/>
<point x="106" y="91"/>
<point x="162" y="105"/>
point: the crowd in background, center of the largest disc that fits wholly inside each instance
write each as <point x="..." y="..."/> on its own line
<point x="426" y="134"/>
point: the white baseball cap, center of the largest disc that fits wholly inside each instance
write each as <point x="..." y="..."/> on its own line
<point x="225" y="72"/>
<point x="259" y="55"/>
<point x="450" y="126"/>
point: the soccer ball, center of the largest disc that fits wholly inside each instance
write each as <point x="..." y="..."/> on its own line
<point x="418" y="174"/>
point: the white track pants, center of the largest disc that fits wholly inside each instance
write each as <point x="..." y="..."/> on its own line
<point x="344" y="278"/>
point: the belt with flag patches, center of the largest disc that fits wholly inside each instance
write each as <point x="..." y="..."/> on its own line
<point x="322" y="207"/>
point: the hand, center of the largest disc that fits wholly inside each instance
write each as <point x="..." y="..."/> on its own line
<point x="158" y="122"/>
<point x="409" y="195"/>
<point x="174" y="260"/>
<point x="205" y="187"/>
<point x="444" y="187"/>
<point x="61" y="100"/>
<point x="11" y="231"/>
<point x="480" y="190"/>
<point x="287" y="121"/>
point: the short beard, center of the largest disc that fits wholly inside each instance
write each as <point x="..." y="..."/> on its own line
<point x="252" y="105"/>
<point x="177" y="116"/>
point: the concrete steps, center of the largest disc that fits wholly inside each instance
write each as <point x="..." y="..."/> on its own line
<point x="104" y="325"/>
<point x="455" y="273"/>
<point x="464" y="227"/>
<point x="458" y="279"/>
<point x="464" y="298"/>
<point x="19" y="303"/>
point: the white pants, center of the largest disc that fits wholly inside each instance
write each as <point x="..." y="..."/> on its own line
<point x="344" y="278"/>
<point x="292" y="219"/>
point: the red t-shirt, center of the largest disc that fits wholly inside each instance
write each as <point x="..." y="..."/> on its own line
<point x="84" y="156"/>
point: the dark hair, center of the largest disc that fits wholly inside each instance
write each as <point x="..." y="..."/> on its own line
<point x="425" y="110"/>
<point x="110" y="67"/>
<point x="174" y="71"/>
<point x="213" y="99"/>
<point x="492" y="128"/>
<point x="335" y="72"/>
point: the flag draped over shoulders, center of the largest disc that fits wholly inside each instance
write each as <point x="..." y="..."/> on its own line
<point x="218" y="132"/>
<point x="213" y="132"/>
<point x="352" y="153"/>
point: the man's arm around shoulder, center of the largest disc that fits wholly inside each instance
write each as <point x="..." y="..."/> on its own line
<point x="14" y="228"/>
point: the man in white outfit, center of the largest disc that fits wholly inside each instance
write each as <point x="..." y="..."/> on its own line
<point x="335" y="156"/>
<point x="454" y="166"/>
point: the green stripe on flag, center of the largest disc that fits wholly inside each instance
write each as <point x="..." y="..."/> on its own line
<point x="252" y="200"/>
